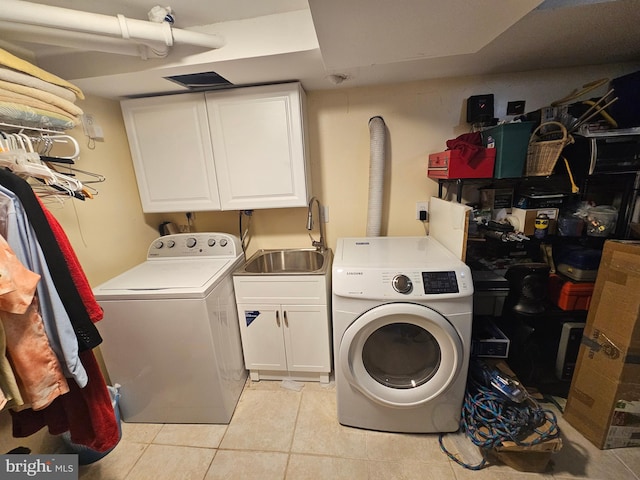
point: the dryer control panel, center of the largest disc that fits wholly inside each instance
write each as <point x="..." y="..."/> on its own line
<point x="398" y="268"/>
<point x="407" y="284"/>
<point x="440" y="282"/>
<point x="195" y="245"/>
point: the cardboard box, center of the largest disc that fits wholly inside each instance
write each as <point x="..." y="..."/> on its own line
<point x="604" y="399"/>
<point x="526" y="219"/>
<point x="449" y="164"/>
<point x="532" y="458"/>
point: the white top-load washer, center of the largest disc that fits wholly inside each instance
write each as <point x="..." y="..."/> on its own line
<point x="170" y="331"/>
<point x="402" y="315"/>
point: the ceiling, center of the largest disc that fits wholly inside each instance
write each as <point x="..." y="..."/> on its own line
<point x="344" y="43"/>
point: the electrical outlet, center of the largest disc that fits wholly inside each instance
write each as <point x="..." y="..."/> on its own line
<point x="422" y="207"/>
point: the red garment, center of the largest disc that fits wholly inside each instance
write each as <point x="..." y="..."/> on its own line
<point x="468" y="144"/>
<point x="87" y="413"/>
<point x="94" y="310"/>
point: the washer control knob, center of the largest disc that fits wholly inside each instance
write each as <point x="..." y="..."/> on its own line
<point x="171" y="244"/>
<point x="158" y="244"/>
<point x="191" y="242"/>
<point x="211" y="242"/>
<point x="223" y="242"/>
<point x="402" y="284"/>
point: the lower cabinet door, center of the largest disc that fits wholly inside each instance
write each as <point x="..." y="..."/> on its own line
<point x="284" y="338"/>
<point x="261" y="332"/>
<point x="306" y="338"/>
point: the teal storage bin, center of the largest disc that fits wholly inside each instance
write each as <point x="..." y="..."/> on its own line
<point x="511" y="143"/>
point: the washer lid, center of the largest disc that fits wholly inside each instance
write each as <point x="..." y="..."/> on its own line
<point x="181" y="277"/>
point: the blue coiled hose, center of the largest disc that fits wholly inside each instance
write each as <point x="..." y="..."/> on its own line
<point x="489" y="418"/>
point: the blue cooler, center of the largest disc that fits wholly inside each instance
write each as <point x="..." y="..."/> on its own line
<point x="578" y="263"/>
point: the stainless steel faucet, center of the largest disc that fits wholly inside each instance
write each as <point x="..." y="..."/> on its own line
<point x="319" y="244"/>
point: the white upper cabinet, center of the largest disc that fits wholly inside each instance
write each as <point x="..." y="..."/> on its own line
<point x="171" y="152"/>
<point x="236" y="149"/>
<point x="259" y="146"/>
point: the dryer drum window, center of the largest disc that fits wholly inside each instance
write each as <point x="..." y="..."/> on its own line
<point x="401" y="355"/>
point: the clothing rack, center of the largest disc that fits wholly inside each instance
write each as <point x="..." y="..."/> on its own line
<point x="51" y="312"/>
<point x="32" y="153"/>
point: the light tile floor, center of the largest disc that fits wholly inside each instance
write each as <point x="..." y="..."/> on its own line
<point x="279" y="433"/>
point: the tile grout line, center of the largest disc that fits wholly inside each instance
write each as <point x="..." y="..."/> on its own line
<point x="625" y="465"/>
<point x="133" y="466"/>
<point x="293" y="434"/>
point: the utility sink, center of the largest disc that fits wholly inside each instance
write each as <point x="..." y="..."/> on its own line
<point x="295" y="261"/>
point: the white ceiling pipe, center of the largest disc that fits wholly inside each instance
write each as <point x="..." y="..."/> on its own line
<point x="83" y="41"/>
<point x="119" y="26"/>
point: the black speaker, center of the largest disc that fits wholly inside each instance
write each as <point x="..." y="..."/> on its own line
<point x="528" y="288"/>
<point x="480" y="108"/>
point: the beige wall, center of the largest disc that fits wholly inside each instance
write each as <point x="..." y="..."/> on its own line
<point x="110" y="233"/>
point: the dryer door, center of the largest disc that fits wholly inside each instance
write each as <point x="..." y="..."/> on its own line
<point x="401" y="354"/>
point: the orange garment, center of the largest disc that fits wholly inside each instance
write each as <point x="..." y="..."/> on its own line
<point x="34" y="362"/>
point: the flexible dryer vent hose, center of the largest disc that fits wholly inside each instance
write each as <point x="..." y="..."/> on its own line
<point x="377" y="134"/>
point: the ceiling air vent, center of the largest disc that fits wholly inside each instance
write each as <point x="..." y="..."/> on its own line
<point x="204" y="80"/>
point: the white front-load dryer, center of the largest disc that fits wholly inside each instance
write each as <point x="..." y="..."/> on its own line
<point x="402" y="317"/>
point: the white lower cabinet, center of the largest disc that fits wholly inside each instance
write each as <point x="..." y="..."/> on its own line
<point x="284" y="341"/>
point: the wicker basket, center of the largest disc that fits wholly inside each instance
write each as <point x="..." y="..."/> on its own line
<point x="545" y="148"/>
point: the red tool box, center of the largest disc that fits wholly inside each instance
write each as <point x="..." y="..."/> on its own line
<point x="450" y="164"/>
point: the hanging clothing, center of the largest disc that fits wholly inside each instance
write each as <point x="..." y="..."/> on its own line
<point x="57" y="324"/>
<point x="86" y="413"/>
<point x="63" y="309"/>
<point x="11" y="395"/>
<point x="31" y="356"/>
<point x="94" y="310"/>
<point x="85" y="410"/>
<point x="86" y="332"/>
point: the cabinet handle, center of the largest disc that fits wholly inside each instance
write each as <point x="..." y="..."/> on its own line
<point x="286" y="321"/>
<point x="277" y="318"/>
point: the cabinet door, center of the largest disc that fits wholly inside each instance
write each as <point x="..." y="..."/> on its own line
<point x="259" y="146"/>
<point x="306" y="337"/>
<point x="261" y="333"/>
<point x="171" y="153"/>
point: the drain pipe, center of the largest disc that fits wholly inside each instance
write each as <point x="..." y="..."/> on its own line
<point x="377" y="134"/>
<point x="142" y="31"/>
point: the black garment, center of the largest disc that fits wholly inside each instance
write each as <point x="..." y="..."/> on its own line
<point x="86" y="332"/>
